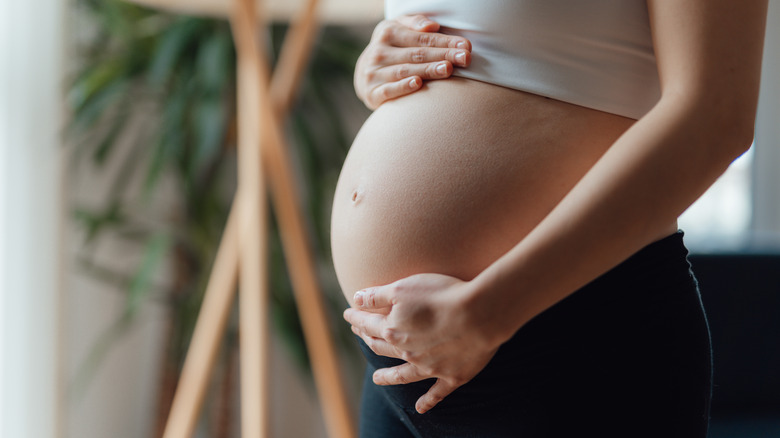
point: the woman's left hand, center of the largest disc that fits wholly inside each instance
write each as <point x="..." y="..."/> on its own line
<point x="429" y="321"/>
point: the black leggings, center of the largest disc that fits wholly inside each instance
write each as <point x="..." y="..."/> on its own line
<point x="628" y="355"/>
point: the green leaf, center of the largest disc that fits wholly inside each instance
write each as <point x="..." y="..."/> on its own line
<point x="92" y="80"/>
<point x="94" y="93"/>
<point x="172" y="47"/>
<point x="168" y="147"/>
<point x="215" y="60"/>
<point x="96" y="222"/>
<point x="156" y="249"/>
<point x="106" y="145"/>
<point x="210" y="121"/>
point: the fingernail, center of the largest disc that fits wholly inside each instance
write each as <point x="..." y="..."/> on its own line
<point x="461" y="45"/>
<point x="413" y="84"/>
<point x="425" y="23"/>
<point x="460" y="57"/>
<point x="358" y="298"/>
<point x="441" y="68"/>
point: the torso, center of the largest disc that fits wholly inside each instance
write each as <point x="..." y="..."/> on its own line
<point x="451" y="177"/>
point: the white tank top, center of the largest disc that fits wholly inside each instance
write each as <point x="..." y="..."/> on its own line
<point x="594" y="53"/>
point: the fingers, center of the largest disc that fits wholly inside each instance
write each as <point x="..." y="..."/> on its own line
<point x="378" y="346"/>
<point x="403" y="37"/>
<point x="402" y="53"/>
<point x="395" y="75"/>
<point x="409" y="31"/>
<point x="419" y="55"/>
<point x="371" y="324"/>
<point x="399" y="80"/>
<point x="382" y="296"/>
<point x="398" y="375"/>
<point x="392" y="90"/>
<point x="438" y="391"/>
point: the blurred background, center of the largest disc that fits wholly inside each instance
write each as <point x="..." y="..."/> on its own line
<point x="117" y="168"/>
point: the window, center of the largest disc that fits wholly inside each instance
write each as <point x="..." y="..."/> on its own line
<point x="721" y="218"/>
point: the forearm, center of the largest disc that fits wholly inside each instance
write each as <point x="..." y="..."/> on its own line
<point x="630" y="196"/>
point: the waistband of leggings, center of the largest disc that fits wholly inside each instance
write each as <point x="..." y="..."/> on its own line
<point x="666" y="257"/>
<point x="669" y="252"/>
<point x="660" y="269"/>
<point x="671" y="244"/>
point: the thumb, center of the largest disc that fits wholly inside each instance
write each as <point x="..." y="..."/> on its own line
<point x="373" y="298"/>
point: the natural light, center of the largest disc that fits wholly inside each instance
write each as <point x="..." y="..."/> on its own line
<point x="721" y="218"/>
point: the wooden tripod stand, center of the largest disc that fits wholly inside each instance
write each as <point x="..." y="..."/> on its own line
<point x="262" y="158"/>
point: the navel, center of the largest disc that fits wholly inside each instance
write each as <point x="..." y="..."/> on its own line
<point x="357" y="195"/>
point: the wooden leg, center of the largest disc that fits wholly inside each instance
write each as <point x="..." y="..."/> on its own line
<point x="302" y="272"/>
<point x="208" y="333"/>
<point x="293" y="58"/>
<point x="210" y="326"/>
<point x="215" y="308"/>
<point x="253" y="298"/>
<point x="322" y="351"/>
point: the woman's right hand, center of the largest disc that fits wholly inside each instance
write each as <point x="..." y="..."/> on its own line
<point x="401" y="54"/>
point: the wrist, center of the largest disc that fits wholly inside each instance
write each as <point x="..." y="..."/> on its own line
<point x="485" y="304"/>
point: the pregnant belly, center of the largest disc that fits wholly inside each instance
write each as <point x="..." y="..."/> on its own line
<point x="449" y="178"/>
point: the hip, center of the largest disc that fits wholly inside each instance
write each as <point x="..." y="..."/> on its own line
<point x="631" y="347"/>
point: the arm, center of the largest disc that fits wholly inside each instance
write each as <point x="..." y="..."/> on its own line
<point x="709" y="57"/>
<point x="402" y="52"/>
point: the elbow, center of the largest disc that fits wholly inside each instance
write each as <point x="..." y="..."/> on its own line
<point x="746" y="133"/>
<point x="738" y="121"/>
<point x="730" y="121"/>
<point x="736" y="132"/>
<point x="742" y="146"/>
<point x="736" y="118"/>
<point x="726" y="119"/>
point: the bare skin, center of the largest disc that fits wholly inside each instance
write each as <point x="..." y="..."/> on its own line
<point x="452" y="193"/>
<point x="404" y="52"/>
<point x="620" y="195"/>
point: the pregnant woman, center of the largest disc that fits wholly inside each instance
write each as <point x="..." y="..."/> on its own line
<point x="507" y="238"/>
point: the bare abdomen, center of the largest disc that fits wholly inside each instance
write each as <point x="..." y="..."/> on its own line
<point x="449" y="178"/>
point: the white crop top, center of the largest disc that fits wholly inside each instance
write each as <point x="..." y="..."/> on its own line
<point x="594" y="53"/>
